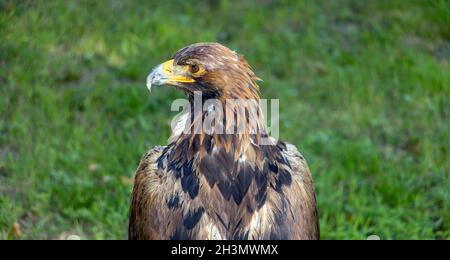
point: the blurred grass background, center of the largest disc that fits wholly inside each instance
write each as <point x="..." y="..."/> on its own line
<point x="364" y="89"/>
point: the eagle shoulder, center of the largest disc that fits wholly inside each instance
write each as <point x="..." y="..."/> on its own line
<point x="146" y="182"/>
<point x="301" y="195"/>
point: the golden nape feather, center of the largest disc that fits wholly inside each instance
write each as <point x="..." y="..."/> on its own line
<point x="220" y="183"/>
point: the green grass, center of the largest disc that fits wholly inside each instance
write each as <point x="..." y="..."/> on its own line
<point x="364" y="89"/>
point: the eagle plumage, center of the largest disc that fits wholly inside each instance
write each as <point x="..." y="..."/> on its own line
<point x="220" y="185"/>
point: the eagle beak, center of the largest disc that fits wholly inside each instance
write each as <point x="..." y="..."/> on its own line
<point x="168" y="74"/>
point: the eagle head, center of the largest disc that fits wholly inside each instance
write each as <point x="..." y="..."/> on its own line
<point x="210" y="68"/>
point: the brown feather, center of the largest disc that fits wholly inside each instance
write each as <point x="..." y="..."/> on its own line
<point x="223" y="186"/>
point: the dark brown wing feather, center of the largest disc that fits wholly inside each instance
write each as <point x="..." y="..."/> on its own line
<point x="163" y="206"/>
<point x="144" y="197"/>
<point x="304" y="221"/>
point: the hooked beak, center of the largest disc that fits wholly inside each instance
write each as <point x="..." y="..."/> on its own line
<point x="168" y="74"/>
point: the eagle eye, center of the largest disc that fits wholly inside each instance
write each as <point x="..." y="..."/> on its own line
<point x="194" y="68"/>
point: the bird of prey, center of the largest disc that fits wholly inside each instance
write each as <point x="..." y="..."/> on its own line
<point x="215" y="184"/>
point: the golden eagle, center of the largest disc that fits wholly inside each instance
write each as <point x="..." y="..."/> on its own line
<point x="217" y="184"/>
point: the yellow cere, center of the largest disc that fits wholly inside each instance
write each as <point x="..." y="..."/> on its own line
<point x="176" y="73"/>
